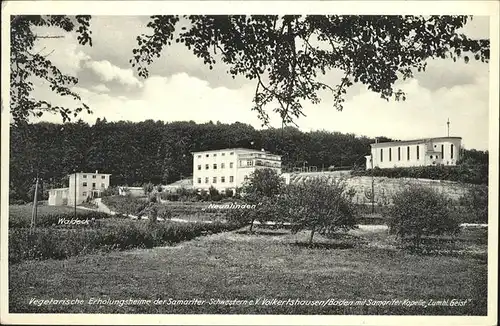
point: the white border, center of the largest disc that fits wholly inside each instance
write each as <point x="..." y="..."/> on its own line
<point x="485" y="8"/>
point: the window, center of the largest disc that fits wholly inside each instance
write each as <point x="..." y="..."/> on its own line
<point x="399" y="153"/>
<point x="199" y="166"/>
<point x="222" y="179"/>
<point x="215" y="166"/>
<point x="84" y="184"/>
<point x="223" y="154"/>
<point x="93" y="184"/>
<point x="207" y="155"/>
<point x="85" y="176"/>
<point x="215" y="154"/>
<point x="232" y="153"/>
<point x="418" y="152"/>
<point x="431" y="156"/>
<point x="199" y="180"/>
<point x="442" y="150"/>
<point x="451" y="151"/>
<point x="93" y="176"/>
<point x="206" y="166"/>
<point x="408" y="153"/>
<point x="390" y="154"/>
<point x="231" y="165"/>
<point x="199" y="156"/>
<point x="231" y="178"/>
<point x="102" y="185"/>
<point x="215" y="180"/>
<point x="84" y="193"/>
<point x="381" y="155"/>
<point x="206" y="179"/>
<point x="222" y="165"/>
<point x="249" y="163"/>
<point x="103" y="177"/>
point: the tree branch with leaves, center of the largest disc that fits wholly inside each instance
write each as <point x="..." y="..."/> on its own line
<point x="288" y="54"/>
<point x="26" y="66"/>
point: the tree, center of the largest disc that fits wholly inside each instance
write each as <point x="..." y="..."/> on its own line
<point x="26" y="66"/>
<point x="261" y="188"/>
<point x="287" y="54"/>
<point x="148" y="188"/>
<point x="421" y="211"/>
<point x="319" y="205"/>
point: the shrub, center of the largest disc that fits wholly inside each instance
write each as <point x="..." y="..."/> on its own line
<point x="214" y="194"/>
<point x="170" y="196"/>
<point x="475" y="204"/>
<point x="466" y="173"/>
<point x="229" y="193"/>
<point x="319" y="205"/>
<point x="419" y="211"/>
<point x="203" y="195"/>
<point x="187" y="194"/>
<point x="126" y="205"/>
<point x="110" y="191"/>
<point x="148" y="188"/>
<point x="261" y="188"/>
<point x="45" y="243"/>
<point x="265" y="210"/>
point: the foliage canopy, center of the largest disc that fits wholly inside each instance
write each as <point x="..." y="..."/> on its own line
<point x="286" y="55"/>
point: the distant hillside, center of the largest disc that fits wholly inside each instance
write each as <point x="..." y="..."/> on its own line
<point x="159" y="152"/>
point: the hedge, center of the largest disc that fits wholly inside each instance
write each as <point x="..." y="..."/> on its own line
<point x="57" y="243"/>
<point x="474" y="174"/>
<point x="52" y="219"/>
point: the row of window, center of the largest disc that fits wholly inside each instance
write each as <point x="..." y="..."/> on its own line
<point x="84" y="184"/>
<point x="94" y="176"/>
<point x="215" y="154"/>
<point x="222" y="166"/>
<point x="214" y="179"/>
<point x="418" y="153"/>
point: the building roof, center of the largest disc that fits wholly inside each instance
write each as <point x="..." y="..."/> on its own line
<point x="413" y="141"/>
<point x="88" y="173"/>
<point x="236" y="149"/>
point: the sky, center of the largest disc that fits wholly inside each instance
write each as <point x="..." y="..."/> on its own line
<point x="182" y="88"/>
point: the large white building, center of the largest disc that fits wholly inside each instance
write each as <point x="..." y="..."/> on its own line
<point x="228" y="168"/>
<point x="418" y="152"/>
<point x="87" y="185"/>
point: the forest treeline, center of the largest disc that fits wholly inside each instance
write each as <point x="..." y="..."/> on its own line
<point x="159" y="152"/>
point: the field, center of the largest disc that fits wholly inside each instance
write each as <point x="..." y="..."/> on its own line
<point x="361" y="265"/>
<point x="20" y="215"/>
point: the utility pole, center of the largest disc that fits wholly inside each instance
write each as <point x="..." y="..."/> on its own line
<point x="35" y="204"/>
<point x="373" y="181"/>
<point x="373" y="189"/>
<point x="74" y="184"/>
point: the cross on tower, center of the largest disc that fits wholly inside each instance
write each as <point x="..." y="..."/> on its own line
<point x="448" y="123"/>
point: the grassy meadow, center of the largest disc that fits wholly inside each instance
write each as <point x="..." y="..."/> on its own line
<point x="272" y="264"/>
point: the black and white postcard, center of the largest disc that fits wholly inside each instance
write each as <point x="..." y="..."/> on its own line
<point x="250" y="163"/>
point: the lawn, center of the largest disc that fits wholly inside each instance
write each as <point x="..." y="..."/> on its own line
<point x="361" y="265"/>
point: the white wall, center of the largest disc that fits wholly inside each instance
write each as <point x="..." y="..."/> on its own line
<point x="221" y="158"/>
<point x="84" y="186"/>
<point x="238" y="171"/>
<point x="386" y="155"/>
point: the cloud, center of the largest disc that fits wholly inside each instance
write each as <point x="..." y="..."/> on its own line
<point x="109" y="72"/>
<point x="65" y="53"/>
<point x="423" y="114"/>
<point x="100" y="88"/>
